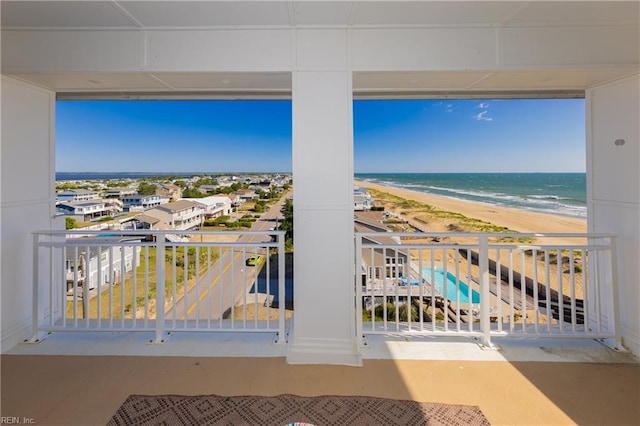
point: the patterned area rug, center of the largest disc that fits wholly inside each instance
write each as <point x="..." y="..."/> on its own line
<point x="289" y="409"/>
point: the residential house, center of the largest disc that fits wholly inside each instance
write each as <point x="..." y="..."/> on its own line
<point x="246" y="194"/>
<point x="179" y="215"/>
<point x="139" y="202"/>
<point x="379" y="263"/>
<point x="236" y="201"/>
<point x="144" y="221"/>
<point x="83" y="211"/>
<point x="99" y="265"/>
<point x="77" y="195"/>
<point x="170" y="191"/>
<point x="205" y="189"/>
<point x="213" y="206"/>
<point x="119" y="193"/>
<point x="362" y="200"/>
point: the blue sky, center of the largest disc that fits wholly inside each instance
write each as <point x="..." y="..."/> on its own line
<point x="389" y="136"/>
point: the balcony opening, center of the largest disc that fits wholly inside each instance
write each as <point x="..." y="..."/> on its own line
<point x="203" y="182"/>
<point x="474" y="210"/>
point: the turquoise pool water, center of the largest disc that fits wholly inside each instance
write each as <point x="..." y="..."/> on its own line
<point x="451" y="286"/>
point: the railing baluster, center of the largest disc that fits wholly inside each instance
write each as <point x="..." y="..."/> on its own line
<point x="209" y="288"/>
<point x="512" y="315"/>
<point x="134" y="281"/>
<point x="122" y="285"/>
<point x="547" y="273"/>
<point x="197" y="278"/>
<point x="469" y="290"/>
<point x="499" y="289"/>
<point x="160" y="287"/>
<point x="434" y="288"/>
<point x="85" y="288"/>
<point x="146" y="285"/>
<point x="221" y="287"/>
<point x="560" y="290"/>
<point x="76" y="263"/>
<point x="534" y="268"/>
<point x="185" y="283"/>
<point x="523" y="291"/>
<point x="108" y="281"/>
<point x="458" y="293"/>
<point x="483" y="262"/>
<point x="281" y="289"/>
<point x="244" y="290"/>
<point x="572" y="281"/>
<point x="174" y="285"/>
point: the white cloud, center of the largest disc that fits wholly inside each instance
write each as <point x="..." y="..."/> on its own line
<point x="481" y="117"/>
<point x="483" y="105"/>
<point x="449" y="107"/>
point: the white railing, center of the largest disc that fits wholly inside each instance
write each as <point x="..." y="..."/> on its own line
<point x="484" y="285"/>
<point x="145" y="280"/>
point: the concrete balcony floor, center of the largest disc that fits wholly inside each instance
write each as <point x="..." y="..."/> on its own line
<point x="81" y="379"/>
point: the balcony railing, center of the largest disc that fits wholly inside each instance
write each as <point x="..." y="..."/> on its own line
<point x="485" y="285"/>
<point x="159" y="281"/>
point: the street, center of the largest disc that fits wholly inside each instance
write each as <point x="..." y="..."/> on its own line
<point x="229" y="279"/>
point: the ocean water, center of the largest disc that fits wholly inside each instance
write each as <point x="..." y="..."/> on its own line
<point x="61" y="176"/>
<point x="556" y="193"/>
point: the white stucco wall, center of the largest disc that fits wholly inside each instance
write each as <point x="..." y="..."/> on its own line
<point x="28" y="197"/>
<point x="614" y="188"/>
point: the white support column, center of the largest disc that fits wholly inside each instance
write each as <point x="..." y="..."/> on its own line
<point x="324" y="320"/>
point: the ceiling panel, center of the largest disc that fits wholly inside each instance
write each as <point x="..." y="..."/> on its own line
<point x="435" y="13"/>
<point x="322" y="13"/>
<point x="63" y="14"/>
<point x="415" y="80"/>
<point x="227" y="81"/>
<point x="207" y="14"/>
<point x="550" y="79"/>
<point x="577" y="12"/>
<point x="93" y="81"/>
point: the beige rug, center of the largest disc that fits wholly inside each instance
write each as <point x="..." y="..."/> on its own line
<point x="286" y="409"/>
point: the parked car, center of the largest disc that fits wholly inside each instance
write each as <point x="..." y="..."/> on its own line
<point x="254" y="260"/>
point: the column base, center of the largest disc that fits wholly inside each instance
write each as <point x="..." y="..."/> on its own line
<point x="323" y="351"/>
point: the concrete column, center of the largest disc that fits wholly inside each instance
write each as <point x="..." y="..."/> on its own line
<point x="324" y="321"/>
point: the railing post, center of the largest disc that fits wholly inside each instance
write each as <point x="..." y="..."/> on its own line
<point x="483" y="263"/>
<point x="615" y="303"/>
<point x="35" y="314"/>
<point x="281" y="338"/>
<point x="160" y="283"/>
<point x="358" y="290"/>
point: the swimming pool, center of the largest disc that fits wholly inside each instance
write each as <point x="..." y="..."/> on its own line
<point x="438" y="274"/>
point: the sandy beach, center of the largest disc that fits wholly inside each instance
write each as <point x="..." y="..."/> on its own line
<point x="514" y="219"/>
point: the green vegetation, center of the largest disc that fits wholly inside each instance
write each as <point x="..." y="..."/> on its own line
<point x="260" y="206"/>
<point x="192" y="193"/>
<point x="70" y="222"/>
<point x="390" y="308"/>
<point x="130" y="307"/>
<point x="287" y="223"/>
<point x="459" y="222"/>
<point x="147" y="188"/>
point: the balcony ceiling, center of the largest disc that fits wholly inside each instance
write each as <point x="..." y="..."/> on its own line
<point x="159" y="15"/>
<point x="171" y="14"/>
